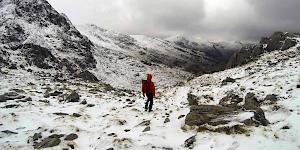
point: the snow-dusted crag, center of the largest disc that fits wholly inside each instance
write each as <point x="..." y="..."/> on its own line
<point x="36" y="37"/>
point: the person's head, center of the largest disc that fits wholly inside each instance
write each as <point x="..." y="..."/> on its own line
<point x="149" y="77"/>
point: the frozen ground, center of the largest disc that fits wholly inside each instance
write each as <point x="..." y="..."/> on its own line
<point x="115" y="120"/>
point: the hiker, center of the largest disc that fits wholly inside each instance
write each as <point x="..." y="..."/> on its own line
<point x="148" y="89"/>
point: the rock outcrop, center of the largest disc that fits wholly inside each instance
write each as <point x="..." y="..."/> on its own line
<point x="250" y="52"/>
<point x="229" y="107"/>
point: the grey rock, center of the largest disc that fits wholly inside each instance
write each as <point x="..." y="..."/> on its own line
<point x="192" y="99"/>
<point x="251" y="122"/>
<point x="36" y="136"/>
<point x="271" y="99"/>
<point x="259" y="115"/>
<point x="190" y="142"/>
<point x="83" y="102"/>
<point x="286" y="127"/>
<point x="112" y="134"/>
<point x="87" y="76"/>
<point x="181" y="116"/>
<point x="207" y="114"/>
<point x="127" y="130"/>
<point x="167" y="120"/>
<point x="76" y="115"/>
<point x="251" y="102"/>
<point x="9" y="132"/>
<point x="71" y="146"/>
<point x="71" y="137"/>
<point x="90" y="105"/>
<point x="55" y="93"/>
<point x="12" y="106"/>
<point x="230" y="100"/>
<point x="144" y="123"/>
<point x="147" y="129"/>
<point x="73" y="97"/>
<point x="10" y="96"/>
<point x="228" y="80"/>
<point x="56" y="135"/>
<point x="61" y="114"/>
<point x="48" y="142"/>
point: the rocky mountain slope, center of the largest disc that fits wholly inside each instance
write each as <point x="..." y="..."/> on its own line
<point x="37" y="38"/>
<point x="256" y="108"/>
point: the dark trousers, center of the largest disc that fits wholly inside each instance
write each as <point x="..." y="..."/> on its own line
<point x="149" y="101"/>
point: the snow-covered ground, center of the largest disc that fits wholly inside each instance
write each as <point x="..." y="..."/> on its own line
<point x="114" y="121"/>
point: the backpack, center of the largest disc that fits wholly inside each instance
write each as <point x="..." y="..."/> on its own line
<point x="146" y="85"/>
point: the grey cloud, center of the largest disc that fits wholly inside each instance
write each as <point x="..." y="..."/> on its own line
<point x="207" y="19"/>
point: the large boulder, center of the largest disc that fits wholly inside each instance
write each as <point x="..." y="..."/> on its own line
<point x="207" y="114"/>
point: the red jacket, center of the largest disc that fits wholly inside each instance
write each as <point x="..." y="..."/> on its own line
<point x="148" y="85"/>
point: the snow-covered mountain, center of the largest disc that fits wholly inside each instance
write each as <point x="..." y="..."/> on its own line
<point x="254" y="106"/>
<point x="178" y="52"/>
<point x="38" y="39"/>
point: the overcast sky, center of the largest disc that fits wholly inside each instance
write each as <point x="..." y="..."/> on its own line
<point x="199" y="19"/>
